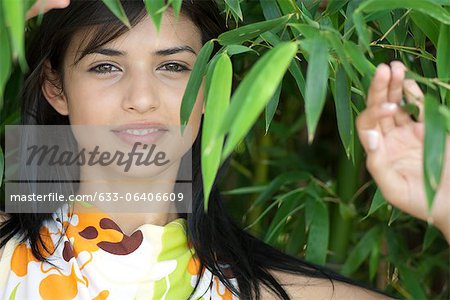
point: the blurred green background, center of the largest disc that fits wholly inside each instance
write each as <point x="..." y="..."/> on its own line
<point x="298" y="180"/>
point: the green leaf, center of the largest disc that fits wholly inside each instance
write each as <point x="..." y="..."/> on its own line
<point x="363" y="32"/>
<point x="435" y="135"/>
<point x="361" y="251"/>
<point x="288" y="204"/>
<point x="411" y="282"/>
<point x="317" y="245"/>
<point x="212" y="141"/>
<point x="194" y="82"/>
<point x="377" y="202"/>
<point x="360" y="62"/>
<point x="344" y="115"/>
<point x="271" y="107"/>
<point x="5" y="58"/>
<point x="373" y="261"/>
<point x="334" y="40"/>
<point x="270" y="9"/>
<point x="395" y="214"/>
<point x="287" y="6"/>
<point x="116" y="8"/>
<point x="316" y="83"/>
<point x="334" y="6"/>
<point x="245" y="190"/>
<point x="176" y="5"/>
<point x="248" y="32"/>
<point x="238" y="49"/>
<point x="235" y="7"/>
<point x="427" y="7"/>
<point x="255" y="90"/>
<point x="277" y="183"/>
<point x="429" y="26"/>
<point x="430" y="235"/>
<point x="442" y="59"/>
<point x="294" y="68"/>
<point x="155" y="9"/>
<point x="14" y="14"/>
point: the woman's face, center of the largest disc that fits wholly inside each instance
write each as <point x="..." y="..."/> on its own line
<point x="139" y="77"/>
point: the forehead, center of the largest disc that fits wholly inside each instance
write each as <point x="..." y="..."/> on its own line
<point x="143" y="36"/>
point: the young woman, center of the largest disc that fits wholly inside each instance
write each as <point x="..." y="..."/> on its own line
<point x="87" y="68"/>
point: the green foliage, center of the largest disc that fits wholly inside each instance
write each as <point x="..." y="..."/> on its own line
<point x="308" y="199"/>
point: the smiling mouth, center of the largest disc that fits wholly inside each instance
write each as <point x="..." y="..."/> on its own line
<point x="142" y="135"/>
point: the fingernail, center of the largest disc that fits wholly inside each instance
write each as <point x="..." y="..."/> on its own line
<point x="373" y="138"/>
<point x="389" y="106"/>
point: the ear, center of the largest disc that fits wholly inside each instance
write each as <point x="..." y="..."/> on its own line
<point x="52" y="89"/>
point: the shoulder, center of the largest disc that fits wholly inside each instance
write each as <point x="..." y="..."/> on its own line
<point x="303" y="287"/>
<point x="3" y="218"/>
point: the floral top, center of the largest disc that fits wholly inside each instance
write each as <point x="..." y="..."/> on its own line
<point x="96" y="260"/>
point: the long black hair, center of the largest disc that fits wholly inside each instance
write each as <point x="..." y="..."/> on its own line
<point x="216" y="238"/>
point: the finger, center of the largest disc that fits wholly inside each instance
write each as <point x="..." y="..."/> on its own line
<point x="45" y="5"/>
<point x="396" y="94"/>
<point x="414" y="95"/>
<point x="378" y="91"/>
<point x="368" y="124"/>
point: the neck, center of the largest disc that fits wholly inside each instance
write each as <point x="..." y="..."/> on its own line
<point x="135" y="198"/>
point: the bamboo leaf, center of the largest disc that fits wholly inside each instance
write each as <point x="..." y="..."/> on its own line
<point x="288" y="202"/>
<point x="14" y="16"/>
<point x="412" y="284"/>
<point x="155" y="9"/>
<point x="194" y="83"/>
<point x="373" y="261"/>
<point x="429" y="26"/>
<point x="316" y="83"/>
<point x="294" y="68"/>
<point x="435" y="135"/>
<point x="271" y="107"/>
<point x="361" y="251"/>
<point x="317" y="245"/>
<point x="116" y="8"/>
<point x="287" y="6"/>
<point x="360" y="62"/>
<point x="344" y="115"/>
<point x="427" y="7"/>
<point x="270" y="9"/>
<point x="212" y="141"/>
<point x="238" y="49"/>
<point x="5" y="58"/>
<point x="244" y="33"/>
<point x="442" y="59"/>
<point x="235" y="7"/>
<point x="176" y="4"/>
<point x="430" y="235"/>
<point x="378" y="201"/>
<point x="334" y="6"/>
<point x="252" y="95"/>
<point x="277" y="183"/>
<point x="363" y="33"/>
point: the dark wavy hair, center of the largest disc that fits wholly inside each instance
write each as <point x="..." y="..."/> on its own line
<point x="216" y="238"/>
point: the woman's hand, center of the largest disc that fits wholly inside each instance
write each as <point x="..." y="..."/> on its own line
<point x="48" y="5"/>
<point x="394" y="145"/>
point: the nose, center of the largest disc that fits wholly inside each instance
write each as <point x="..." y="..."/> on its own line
<point x="142" y="95"/>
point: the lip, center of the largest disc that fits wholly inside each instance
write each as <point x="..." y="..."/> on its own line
<point x="148" y="138"/>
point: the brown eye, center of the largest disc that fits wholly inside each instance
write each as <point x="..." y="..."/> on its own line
<point x="104" y="69"/>
<point x="175" y="67"/>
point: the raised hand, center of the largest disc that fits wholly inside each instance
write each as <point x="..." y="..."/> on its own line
<point x="48" y="5"/>
<point x="394" y="145"/>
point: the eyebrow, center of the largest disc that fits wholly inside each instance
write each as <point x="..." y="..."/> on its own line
<point x="161" y="52"/>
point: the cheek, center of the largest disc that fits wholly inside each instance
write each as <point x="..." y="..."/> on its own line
<point x="91" y="104"/>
